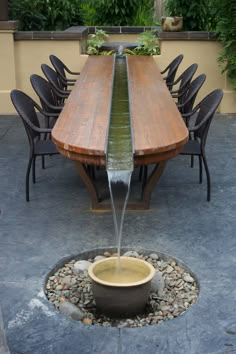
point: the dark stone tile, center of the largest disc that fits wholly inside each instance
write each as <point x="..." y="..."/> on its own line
<point x="109" y="29"/>
<point x="173" y="35"/>
<point x="132" y="29"/>
<point x="58" y="223"/>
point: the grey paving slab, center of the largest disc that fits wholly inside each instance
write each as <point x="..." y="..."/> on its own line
<point x="58" y="222"/>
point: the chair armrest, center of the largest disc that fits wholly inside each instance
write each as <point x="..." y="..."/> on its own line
<point x="165" y="70"/>
<point x="37" y="129"/>
<point x="65" y="80"/>
<point x="48" y="114"/>
<point x="186" y="115"/>
<point x="60" y="93"/>
<point x="198" y="126"/>
<point x="71" y="72"/>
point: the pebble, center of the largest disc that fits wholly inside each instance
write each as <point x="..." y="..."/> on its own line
<point x="107" y="254"/>
<point x="153" y="256"/>
<point x="87" y="321"/>
<point x="99" y="258"/>
<point x="173" y="291"/>
<point x="131" y="254"/>
<point x="81" y="266"/>
<point x="188" y="278"/>
<point x="169" y="269"/>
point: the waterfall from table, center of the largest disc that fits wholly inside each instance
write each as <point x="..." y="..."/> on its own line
<point x="119" y="148"/>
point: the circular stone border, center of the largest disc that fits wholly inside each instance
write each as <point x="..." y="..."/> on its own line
<point x="158" y="309"/>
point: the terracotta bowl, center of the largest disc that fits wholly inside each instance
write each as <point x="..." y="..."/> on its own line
<point x="121" y="298"/>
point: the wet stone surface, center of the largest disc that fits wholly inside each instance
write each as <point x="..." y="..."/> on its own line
<point x="174" y="290"/>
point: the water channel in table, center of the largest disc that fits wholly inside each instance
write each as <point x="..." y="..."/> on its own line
<point x="119" y="148"/>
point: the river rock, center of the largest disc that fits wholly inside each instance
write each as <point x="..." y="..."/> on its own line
<point x="188" y="278"/>
<point x="131" y="254"/>
<point x="71" y="311"/>
<point x="98" y="258"/>
<point x="154" y="256"/>
<point x="87" y="321"/>
<point x="81" y="266"/>
<point x="157" y="283"/>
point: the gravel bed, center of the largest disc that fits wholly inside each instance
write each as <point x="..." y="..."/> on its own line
<point x="174" y="290"/>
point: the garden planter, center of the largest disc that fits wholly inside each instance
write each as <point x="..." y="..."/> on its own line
<point x="172" y="24"/>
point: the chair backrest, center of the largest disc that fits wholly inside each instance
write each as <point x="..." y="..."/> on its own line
<point x="52" y="77"/>
<point x="59" y="67"/>
<point x="25" y="106"/>
<point x="45" y="93"/>
<point x="172" y="70"/>
<point x="207" y="109"/>
<point x="190" y="94"/>
<point x="185" y="78"/>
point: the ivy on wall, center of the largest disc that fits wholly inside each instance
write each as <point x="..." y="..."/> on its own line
<point x="226" y="29"/>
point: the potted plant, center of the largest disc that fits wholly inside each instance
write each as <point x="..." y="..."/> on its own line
<point x="174" y="21"/>
<point x="194" y="15"/>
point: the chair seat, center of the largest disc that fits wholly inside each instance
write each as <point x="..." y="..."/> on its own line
<point x="192" y="147"/>
<point x="45" y="147"/>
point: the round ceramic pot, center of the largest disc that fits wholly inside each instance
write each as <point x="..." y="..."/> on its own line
<point x="172" y="24"/>
<point x="119" y="297"/>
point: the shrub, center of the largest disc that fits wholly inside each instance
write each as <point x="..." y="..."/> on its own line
<point x="198" y="15"/>
<point x="226" y="28"/>
<point x="47" y="15"/>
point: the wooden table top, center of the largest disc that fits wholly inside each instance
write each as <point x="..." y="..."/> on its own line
<point x="82" y="125"/>
<point x="159" y="132"/>
<point x="157" y="123"/>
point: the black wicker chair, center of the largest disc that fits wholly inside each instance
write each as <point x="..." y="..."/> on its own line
<point x="62" y="69"/>
<point x="49" y="100"/>
<point x="171" y="70"/>
<point x="183" y="80"/>
<point x="39" y="146"/>
<point x="196" y="145"/>
<point x="52" y="77"/>
<point x="190" y="95"/>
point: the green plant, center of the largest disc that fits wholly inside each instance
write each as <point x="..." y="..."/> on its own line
<point x="95" y="42"/>
<point x="198" y="15"/>
<point x="28" y="13"/>
<point x="118" y="12"/>
<point x="88" y="13"/>
<point x="147" y="45"/>
<point x="143" y="15"/>
<point x="45" y="14"/>
<point x="226" y="28"/>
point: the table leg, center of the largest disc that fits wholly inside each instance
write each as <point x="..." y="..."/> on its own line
<point x="89" y="184"/>
<point x="142" y="204"/>
<point x="151" y="183"/>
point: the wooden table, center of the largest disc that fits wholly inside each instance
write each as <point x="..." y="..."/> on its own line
<point x="159" y="132"/>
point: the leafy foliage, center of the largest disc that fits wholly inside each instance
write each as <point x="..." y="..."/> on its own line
<point x="147" y="45"/>
<point x="198" y="15"/>
<point x="226" y="28"/>
<point x="117" y="12"/>
<point x="45" y="15"/>
<point x="96" y="41"/>
<point x="88" y="13"/>
<point x="28" y="13"/>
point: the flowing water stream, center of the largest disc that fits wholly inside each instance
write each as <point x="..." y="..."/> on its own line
<point x="119" y="148"/>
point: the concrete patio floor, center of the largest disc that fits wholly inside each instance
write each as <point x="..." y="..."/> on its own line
<point x="58" y="222"/>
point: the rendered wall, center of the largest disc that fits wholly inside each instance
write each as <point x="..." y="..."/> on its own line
<point x="20" y="58"/>
<point x="29" y="55"/>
